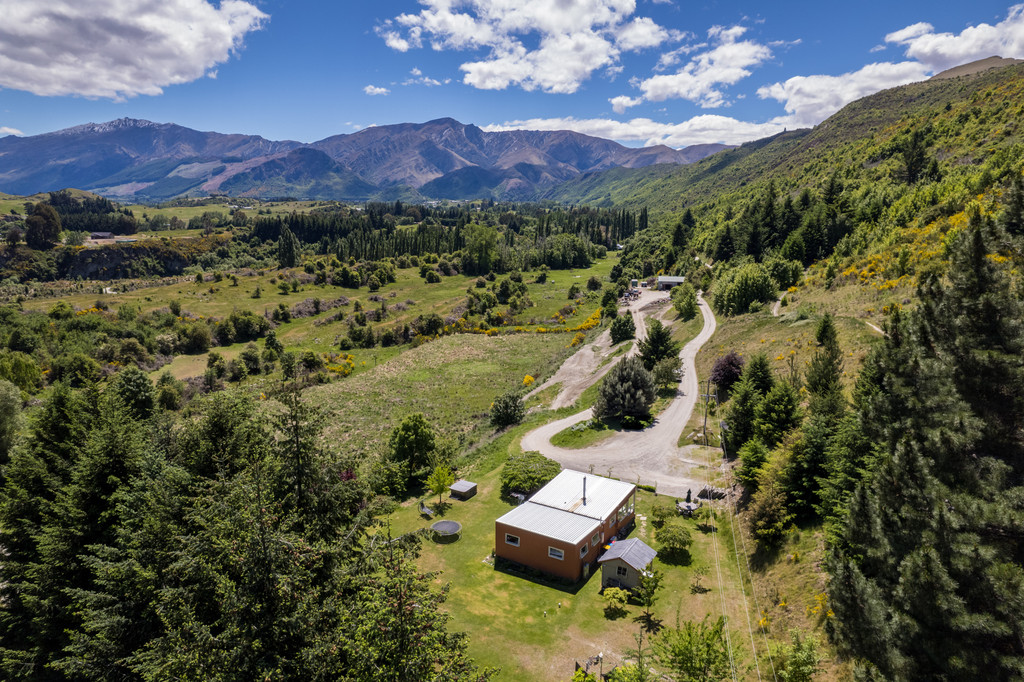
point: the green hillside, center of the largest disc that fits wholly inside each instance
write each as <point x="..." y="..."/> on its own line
<point x="971" y="122"/>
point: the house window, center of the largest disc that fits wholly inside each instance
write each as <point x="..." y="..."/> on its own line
<point x="596" y="539"/>
<point x="584" y="549"/>
<point x="511" y="540"/>
<point x="556" y="553"/>
<point x="621" y="570"/>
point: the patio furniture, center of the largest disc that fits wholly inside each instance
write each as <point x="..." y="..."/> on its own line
<point x="425" y="510"/>
<point x="687" y="508"/>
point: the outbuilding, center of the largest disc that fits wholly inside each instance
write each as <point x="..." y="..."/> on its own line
<point x="562" y="529"/>
<point x="463" y="489"/>
<point x="665" y="282"/>
<point x="624" y="561"/>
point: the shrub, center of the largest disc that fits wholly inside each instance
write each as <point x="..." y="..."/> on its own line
<point x="675" y="538"/>
<point x="738" y="288"/>
<point x="614" y="602"/>
<point x="661" y="513"/>
<point x="727" y="371"/>
<point x="622" y="328"/>
<point x="527" y="471"/>
<point x="432" y="277"/>
<point x="684" y="300"/>
<point x="194" y="338"/>
<point x="752" y="456"/>
<point x="77" y="369"/>
<point x="135" y="391"/>
<point x="627" y="390"/>
<point x="507" y="409"/>
<point x="412" y="442"/>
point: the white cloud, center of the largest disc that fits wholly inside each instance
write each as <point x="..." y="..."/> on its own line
<point x="117" y="48"/>
<point x="374" y="90"/>
<point x="568" y="39"/>
<point x="623" y="102"/>
<point x="704" y="129"/>
<point x="727" y="62"/>
<point x="641" y="33"/>
<point x="939" y="51"/>
<point x="909" y="33"/>
<point x="4" y="130"/>
<point x="809" y="100"/>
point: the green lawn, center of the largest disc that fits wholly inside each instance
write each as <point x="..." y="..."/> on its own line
<point x="535" y="631"/>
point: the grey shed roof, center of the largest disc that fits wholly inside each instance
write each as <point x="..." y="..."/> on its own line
<point x="668" y="279"/>
<point x="634" y="552"/>
<point x="552" y="523"/>
<point x="463" y="486"/>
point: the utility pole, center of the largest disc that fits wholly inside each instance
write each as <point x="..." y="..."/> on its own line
<point x="707" y="399"/>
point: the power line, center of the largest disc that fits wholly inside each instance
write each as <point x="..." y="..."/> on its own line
<point x="718" y="572"/>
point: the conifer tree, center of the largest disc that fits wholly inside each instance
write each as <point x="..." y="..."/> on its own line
<point x="927" y="575"/>
<point x="658" y="345"/>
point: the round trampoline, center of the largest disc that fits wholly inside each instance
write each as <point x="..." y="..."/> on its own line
<point x="446" y="529"/>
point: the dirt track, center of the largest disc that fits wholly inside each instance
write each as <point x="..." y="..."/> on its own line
<point x="650" y="456"/>
<point x="583" y="369"/>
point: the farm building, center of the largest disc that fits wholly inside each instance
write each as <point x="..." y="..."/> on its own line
<point x="624" y="561"/>
<point x="669" y="282"/>
<point x="563" y="527"/>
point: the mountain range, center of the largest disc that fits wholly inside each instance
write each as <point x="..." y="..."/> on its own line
<point x="132" y="159"/>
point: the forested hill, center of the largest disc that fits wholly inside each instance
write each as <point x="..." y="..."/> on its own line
<point x="969" y="121"/>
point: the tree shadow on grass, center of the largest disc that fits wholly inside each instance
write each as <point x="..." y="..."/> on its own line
<point x="615" y="612"/>
<point x="764" y="556"/>
<point x="680" y="557"/>
<point x="649" y="623"/>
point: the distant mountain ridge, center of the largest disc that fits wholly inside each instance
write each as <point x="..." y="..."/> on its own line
<point x="442" y="159"/>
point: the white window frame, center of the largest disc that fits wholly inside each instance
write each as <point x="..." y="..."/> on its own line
<point x="584" y="549"/>
<point x="556" y="553"/>
<point x="594" y="541"/>
<point x="509" y="537"/>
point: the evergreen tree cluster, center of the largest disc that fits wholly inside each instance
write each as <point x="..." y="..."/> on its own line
<point x="221" y="546"/>
<point x="927" y="563"/>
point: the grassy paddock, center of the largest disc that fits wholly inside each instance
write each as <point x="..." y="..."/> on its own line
<point x="536" y="630"/>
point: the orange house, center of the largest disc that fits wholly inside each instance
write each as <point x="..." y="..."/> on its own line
<point x="562" y="529"/>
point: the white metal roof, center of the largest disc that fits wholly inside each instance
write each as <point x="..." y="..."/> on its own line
<point x="565" y="492"/>
<point x="552" y="523"/>
<point x="668" y="279"/>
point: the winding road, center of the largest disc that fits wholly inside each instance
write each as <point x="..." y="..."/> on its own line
<point x="650" y="456"/>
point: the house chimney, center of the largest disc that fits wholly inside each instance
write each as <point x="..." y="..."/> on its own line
<point x="584" y="490"/>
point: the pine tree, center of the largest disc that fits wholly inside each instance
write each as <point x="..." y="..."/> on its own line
<point x="758" y="371"/>
<point x="658" y="345"/>
<point x="626" y="391"/>
<point x="928" y="573"/>
<point x="287" y="249"/>
<point x="1012" y="217"/>
<point x="740" y="417"/>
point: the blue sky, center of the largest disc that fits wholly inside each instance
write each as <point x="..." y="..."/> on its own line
<point x="639" y="71"/>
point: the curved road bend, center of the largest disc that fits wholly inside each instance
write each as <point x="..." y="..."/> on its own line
<point x="650" y="456"/>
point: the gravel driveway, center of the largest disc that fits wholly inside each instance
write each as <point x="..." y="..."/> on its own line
<point x="650" y="456"/>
